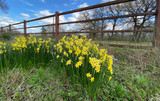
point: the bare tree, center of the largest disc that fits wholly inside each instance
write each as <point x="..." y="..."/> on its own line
<point x="3" y="6"/>
<point x="93" y="25"/>
<point x="84" y="16"/>
<point x="102" y="24"/>
<point x="134" y="23"/>
<point x="139" y="22"/>
<point x="114" y="10"/>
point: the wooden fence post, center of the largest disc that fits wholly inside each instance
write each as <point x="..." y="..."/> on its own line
<point x="25" y="30"/>
<point x="157" y="24"/>
<point x="1" y="29"/>
<point x="57" y="26"/>
<point x="10" y="28"/>
<point x="53" y="27"/>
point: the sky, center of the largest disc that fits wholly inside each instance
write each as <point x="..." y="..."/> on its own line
<point x="20" y="10"/>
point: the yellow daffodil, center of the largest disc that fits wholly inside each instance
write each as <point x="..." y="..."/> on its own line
<point x="70" y="51"/>
<point x="92" y="79"/>
<point x="37" y="50"/>
<point x="68" y="62"/>
<point x="78" y="64"/>
<point x="97" y="70"/>
<point x="88" y="75"/>
<point x="80" y="58"/>
<point x="57" y="56"/>
<point x="1" y="52"/>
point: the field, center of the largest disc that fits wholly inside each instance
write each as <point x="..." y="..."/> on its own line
<point x="36" y="69"/>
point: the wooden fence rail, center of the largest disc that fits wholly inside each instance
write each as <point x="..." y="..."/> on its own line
<point x="57" y="23"/>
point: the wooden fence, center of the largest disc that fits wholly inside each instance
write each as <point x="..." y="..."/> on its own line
<point x="56" y="25"/>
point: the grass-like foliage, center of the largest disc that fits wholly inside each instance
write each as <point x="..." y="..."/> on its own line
<point x="84" y="64"/>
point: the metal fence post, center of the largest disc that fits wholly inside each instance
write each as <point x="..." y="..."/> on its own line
<point x="57" y="26"/>
<point x="157" y="24"/>
<point x="25" y="30"/>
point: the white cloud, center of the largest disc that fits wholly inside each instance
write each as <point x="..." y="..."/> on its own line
<point x="62" y="19"/>
<point x="33" y="11"/>
<point x="74" y="16"/>
<point x="48" y="20"/>
<point x="70" y="27"/>
<point x="27" y="3"/>
<point x="65" y="4"/>
<point x="83" y="5"/>
<point x="43" y="0"/>
<point x="33" y="30"/>
<point x="26" y="16"/>
<point x="4" y="21"/>
<point x="43" y="13"/>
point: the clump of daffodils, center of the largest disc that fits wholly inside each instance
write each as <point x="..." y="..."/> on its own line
<point x="24" y="51"/>
<point x="2" y="47"/>
<point x="83" y="61"/>
<point x="22" y="43"/>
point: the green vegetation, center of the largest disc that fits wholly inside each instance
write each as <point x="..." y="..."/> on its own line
<point x="25" y="52"/>
<point x="137" y="71"/>
<point x="126" y="43"/>
<point x="30" y="84"/>
<point x="84" y="65"/>
<point x="135" y="76"/>
<point x="5" y="36"/>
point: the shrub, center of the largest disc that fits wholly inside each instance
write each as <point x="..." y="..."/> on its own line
<point x="5" y="36"/>
<point x="84" y="63"/>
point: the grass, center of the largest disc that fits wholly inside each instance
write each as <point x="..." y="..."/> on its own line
<point x="126" y="43"/>
<point x="35" y="84"/>
<point x="138" y="71"/>
<point x="136" y="77"/>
